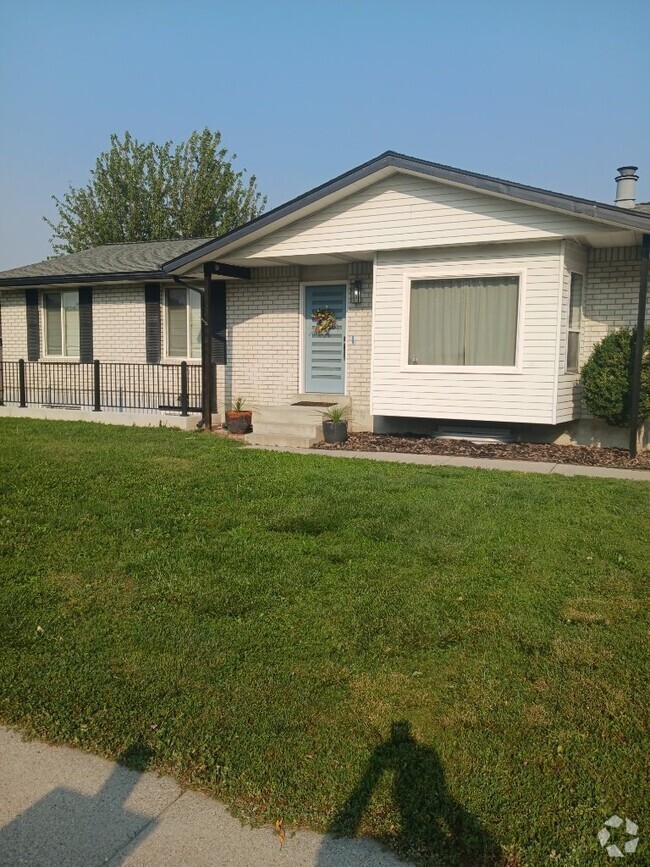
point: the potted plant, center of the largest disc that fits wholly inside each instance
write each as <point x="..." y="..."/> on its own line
<point x="335" y="424"/>
<point x="238" y="419"/>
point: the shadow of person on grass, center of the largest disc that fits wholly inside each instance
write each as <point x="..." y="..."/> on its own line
<point x="433" y="828"/>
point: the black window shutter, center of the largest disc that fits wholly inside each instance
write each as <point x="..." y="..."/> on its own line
<point x="152" y="321"/>
<point x="33" y="329"/>
<point x="219" y="349"/>
<point x="86" y="324"/>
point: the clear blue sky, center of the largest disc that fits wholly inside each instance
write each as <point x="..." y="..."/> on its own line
<point x="552" y="93"/>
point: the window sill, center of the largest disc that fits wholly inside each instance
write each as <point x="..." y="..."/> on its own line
<point x="455" y="369"/>
<point x="61" y="359"/>
<point x="178" y="360"/>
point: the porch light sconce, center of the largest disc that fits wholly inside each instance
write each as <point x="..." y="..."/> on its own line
<point x="355" y="291"/>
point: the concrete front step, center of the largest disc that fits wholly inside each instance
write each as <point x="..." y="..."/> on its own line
<point x="289" y="414"/>
<point x="300" y="428"/>
<point x="288" y="426"/>
<point x="283" y="440"/>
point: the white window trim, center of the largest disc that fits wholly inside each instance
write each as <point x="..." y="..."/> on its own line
<point x="45" y="356"/>
<point x="574" y="371"/>
<point x="430" y="272"/>
<point x="165" y="357"/>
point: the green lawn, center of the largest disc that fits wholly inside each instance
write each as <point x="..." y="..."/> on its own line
<point x="454" y="661"/>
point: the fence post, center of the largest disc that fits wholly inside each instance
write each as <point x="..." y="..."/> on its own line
<point x="185" y="402"/>
<point x="97" y="386"/>
<point x="21" y="383"/>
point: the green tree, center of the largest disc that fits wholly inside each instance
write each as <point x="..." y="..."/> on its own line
<point x="148" y="192"/>
<point x="607" y="377"/>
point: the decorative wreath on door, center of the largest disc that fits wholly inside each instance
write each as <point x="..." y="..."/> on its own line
<point x="325" y="321"/>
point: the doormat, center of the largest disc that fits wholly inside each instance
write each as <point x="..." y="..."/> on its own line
<point x="313" y="403"/>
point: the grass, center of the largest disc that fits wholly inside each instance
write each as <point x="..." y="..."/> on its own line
<point x="454" y="661"/>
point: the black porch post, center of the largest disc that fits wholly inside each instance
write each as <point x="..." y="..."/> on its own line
<point x="635" y="391"/>
<point x="207" y="379"/>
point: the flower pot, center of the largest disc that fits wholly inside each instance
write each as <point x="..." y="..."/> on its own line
<point x="238" y="422"/>
<point x="335" y="431"/>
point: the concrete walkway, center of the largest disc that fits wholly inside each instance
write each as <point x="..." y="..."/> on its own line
<point x="476" y="463"/>
<point x="60" y="807"/>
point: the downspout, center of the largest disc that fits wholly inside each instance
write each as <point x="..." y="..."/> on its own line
<point x="635" y="388"/>
<point x="206" y="347"/>
<point x="178" y="280"/>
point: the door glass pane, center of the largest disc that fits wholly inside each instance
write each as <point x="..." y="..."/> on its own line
<point x="176" y="323"/>
<point x="53" y="335"/>
<point x="195" y="324"/>
<point x="71" y="322"/>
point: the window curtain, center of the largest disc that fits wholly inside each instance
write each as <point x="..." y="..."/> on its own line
<point x="437" y="323"/>
<point x="461" y="322"/>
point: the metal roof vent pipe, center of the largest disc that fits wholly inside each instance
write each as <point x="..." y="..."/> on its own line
<point x="626" y="186"/>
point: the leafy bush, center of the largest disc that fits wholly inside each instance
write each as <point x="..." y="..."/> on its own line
<point x="607" y="377"/>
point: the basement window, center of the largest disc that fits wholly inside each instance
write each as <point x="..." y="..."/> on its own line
<point x="575" y="322"/>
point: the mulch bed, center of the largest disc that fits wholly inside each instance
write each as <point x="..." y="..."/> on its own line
<point x="586" y="456"/>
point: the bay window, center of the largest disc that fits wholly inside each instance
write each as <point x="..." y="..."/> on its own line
<point x="464" y="322"/>
<point x="183" y="323"/>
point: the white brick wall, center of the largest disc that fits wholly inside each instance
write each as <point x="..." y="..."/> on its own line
<point x="359" y="348"/>
<point x="263" y="328"/>
<point x="611" y="302"/>
<point x="13" y="316"/>
<point x="612" y="294"/>
<point x="119" y="324"/>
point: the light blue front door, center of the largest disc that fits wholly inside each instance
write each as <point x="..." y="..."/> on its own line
<point x="325" y="351"/>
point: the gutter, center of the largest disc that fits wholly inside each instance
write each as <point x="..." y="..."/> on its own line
<point x="66" y="279"/>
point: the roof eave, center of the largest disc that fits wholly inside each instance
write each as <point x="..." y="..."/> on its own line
<point x="64" y="279"/>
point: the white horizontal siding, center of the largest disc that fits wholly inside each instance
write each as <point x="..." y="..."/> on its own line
<point x="405" y="211"/>
<point x="568" y="386"/>
<point x="528" y="395"/>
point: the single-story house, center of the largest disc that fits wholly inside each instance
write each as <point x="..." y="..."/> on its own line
<point x="427" y="297"/>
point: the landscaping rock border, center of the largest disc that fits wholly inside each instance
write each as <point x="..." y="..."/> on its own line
<point x="585" y="456"/>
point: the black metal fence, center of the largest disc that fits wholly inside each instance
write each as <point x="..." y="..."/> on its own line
<point x="102" y="386"/>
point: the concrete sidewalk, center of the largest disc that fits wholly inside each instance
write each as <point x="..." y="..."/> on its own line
<point x="60" y="807"/>
<point x="476" y="463"/>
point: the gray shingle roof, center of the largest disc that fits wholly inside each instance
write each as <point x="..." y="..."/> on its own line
<point x="140" y="258"/>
